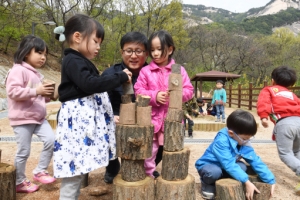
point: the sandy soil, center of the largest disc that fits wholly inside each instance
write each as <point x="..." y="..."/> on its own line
<point x="286" y="179"/>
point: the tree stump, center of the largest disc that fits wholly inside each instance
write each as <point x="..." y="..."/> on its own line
<point x="139" y="190"/>
<point x="133" y="170"/>
<point x="175" y="190"/>
<point x="175" y="82"/>
<point x="7" y="182"/>
<point x="228" y="188"/>
<point x="265" y="190"/>
<point x="174" y="115"/>
<point x="175" y="165"/>
<point x="126" y="98"/>
<point x="127" y="113"/>
<point x="85" y="181"/>
<point x="173" y="136"/>
<point x="143" y="100"/>
<point x="175" y="99"/>
<point x="134" y="142"/>
<point x="143" y="116"/>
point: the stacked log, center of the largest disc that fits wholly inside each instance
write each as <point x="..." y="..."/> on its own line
<point x="7" y="181"/>
<point x="175" y="182"/>
<point x="134" y="136"/>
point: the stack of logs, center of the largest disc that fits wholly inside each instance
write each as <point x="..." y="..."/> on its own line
<point x="134" y="135"/>
<point x="175" y="182"/>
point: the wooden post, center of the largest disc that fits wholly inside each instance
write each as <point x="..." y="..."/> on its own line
<point x="175" y="99"/>
<point x="239" y="95"/>
<point x="173" y="136"/>
<point x="250" y="96"/>
<point x="127" y="113"/>
<point x="230" y="95"/>
<point x="265" y="190"/>
<point x="7" y="182"/>
<point x="228" y="188"/>
<point x="133" y="170"/>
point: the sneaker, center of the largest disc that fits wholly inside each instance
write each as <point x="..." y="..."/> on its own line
<point x="218" y="120"/>
<point x="207" y="191"/>
<point x="156" y="174"/>
<point x="43" y="177"/>
<point x="26" y="187"/>
<point x="190" y="136"/>
<point x="207" y="195"/>
<point x="297" y="189"/>
<point x="109" y="178"/>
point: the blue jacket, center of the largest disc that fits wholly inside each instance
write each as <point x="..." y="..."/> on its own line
<point x="224" y="153"/>
<point x="219" y="94"/>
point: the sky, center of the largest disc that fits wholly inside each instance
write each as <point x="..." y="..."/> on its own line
<point x="231" y="5"/>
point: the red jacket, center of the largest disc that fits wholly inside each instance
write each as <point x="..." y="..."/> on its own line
<point x="277" y="102"/>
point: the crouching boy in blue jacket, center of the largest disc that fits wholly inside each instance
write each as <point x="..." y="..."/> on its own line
<point x="222" y="159"/>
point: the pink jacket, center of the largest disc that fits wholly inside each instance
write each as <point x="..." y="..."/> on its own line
<point x="24" y="106"/>
<point x="153" y="79"/>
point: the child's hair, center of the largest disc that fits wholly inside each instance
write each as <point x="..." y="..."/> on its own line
<point x="208" y="106"/>
<point x="28" y="43"/>
<point x="200" y="100"/>
<point x="134" y="37"/>
<point x="220" y="81"/>
<point x="284" y="76"/>
<point x="84" y="25"/>
<point x="242" y="122"/>
<point x="166" y="41"/>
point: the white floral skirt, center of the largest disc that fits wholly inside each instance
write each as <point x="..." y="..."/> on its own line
<point x="85" y="136"/>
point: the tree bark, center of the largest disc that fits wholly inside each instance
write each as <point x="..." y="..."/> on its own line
<point x="127" y="113"/>
<point x="177" y="190"/>
<point x="7" y="182"/>
<point x="175" y="82"/>
<point x="132" y="170"/>
<point x="139" y="190"/>
<point x="265" y="190"/>
<point x="174" y="115"/>
<point x="134" y="142"/>
<point x="143" y="100"/>
<point x="175" y="99"/>
<point x="126" y="98"/>
<point x="143" y="116"/>
<point x="175" y="165"/>
<point x="173" y="136"/>
<point x="228" y="188"/>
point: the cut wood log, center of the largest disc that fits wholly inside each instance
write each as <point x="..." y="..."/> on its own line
<point x="175" y="99"/>
<point x="174" y="115"/>
<point x="175" y="165"/>
<point x="173" y="136"/>
<point x="175" y="82"/>
<point x="133" y="170"/>
<point x="127" y="88"/>
<point x="175" y="190"/>
<point x="98" y="191"/>
<point x="126" y="98"/>
<point x="228" y="188"/>
<point x="134" y="142"/>
<point x="143" y="100"/>
<point x="7" y="182"/>
<point x="265" y="191"/>
<point x="85" y="181"/>
<point x="143" y="116"/>
<point x="127" y="113"/>
<point x="176" y="69"/>
<point x="139" y="190"/>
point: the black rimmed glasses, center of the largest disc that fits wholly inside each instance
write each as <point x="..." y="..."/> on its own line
<point x="129" y="52"/>
<point x="242" y="140"/>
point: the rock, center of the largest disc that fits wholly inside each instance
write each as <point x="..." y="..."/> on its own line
<point x="98" y="191"/>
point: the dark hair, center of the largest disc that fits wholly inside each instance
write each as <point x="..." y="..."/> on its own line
<point x="284" y="76"/>
<point x="242" y="122"/>
<point x="166" y="41"/>
<point x="84" y="25"/>
<point x="134" y="37"/>
<point x="200" y="100"/>
<point x="28" y="43"/>
<point x="208" y="105"/>
<point x="220" y="81"/>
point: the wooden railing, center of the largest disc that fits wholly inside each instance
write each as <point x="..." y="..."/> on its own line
<point x="247" y="97"/>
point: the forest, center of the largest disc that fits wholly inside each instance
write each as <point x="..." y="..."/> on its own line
<point x="252" y="54"/>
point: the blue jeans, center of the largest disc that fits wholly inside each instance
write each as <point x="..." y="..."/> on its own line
<point x="220" y="111"/>
<point x="210" y="173"/>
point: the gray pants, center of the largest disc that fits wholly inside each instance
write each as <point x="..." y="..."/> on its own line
<point x="287" y="132"/>
<point x="23" y="135"/>
<point x="70" y="188"/>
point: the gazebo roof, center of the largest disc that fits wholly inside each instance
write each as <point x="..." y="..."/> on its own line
<point x="214" y="76"/>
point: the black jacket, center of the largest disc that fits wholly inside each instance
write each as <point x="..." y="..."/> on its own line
<point x="116" y="93"/>
<point x="80" y="77"/>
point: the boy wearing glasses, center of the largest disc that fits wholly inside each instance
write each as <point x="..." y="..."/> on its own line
<point x="283" y="108"/>
<point x="222" y="159"/>
<point x="134" y="52"/>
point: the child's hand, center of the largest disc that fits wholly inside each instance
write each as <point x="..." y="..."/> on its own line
<point x="45" y="89"/>
<point x="129" y="74"/>
<point x="116" y="119"/>
<point x="250" y="189"/>
<point x="162" y="97"/>
<point x="272" y="190"/>
<point x="264" y="122"/>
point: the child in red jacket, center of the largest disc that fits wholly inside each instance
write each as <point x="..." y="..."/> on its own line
<point x="283" y="108"/>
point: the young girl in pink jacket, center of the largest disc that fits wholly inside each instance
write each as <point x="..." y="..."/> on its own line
<point x="153" y="81"/>
<point x="27" y="98"/>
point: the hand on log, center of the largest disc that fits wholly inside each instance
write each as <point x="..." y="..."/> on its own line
<point x="250" y="189"/>
<point x="136" y="142"/>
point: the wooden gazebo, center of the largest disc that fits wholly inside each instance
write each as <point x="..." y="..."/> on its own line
<point x="212" y="76"/>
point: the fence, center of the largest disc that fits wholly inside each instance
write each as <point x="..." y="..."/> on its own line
<point x="247" y="97"/>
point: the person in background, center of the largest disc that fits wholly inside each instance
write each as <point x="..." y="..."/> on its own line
<point x="201" y="104"/>
<point x="211" y="109"/>
<point x="219" y="100"/>
<point x="134" y="52"/>
<point x="190" y="109"/>
<point x="222" y="159"/>
<point x="282" y="106"/>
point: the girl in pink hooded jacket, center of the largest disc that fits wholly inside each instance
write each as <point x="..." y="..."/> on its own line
<point x="153" y="81"/>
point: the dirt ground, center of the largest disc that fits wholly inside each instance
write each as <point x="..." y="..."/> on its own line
<point x="286" y="179"/>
